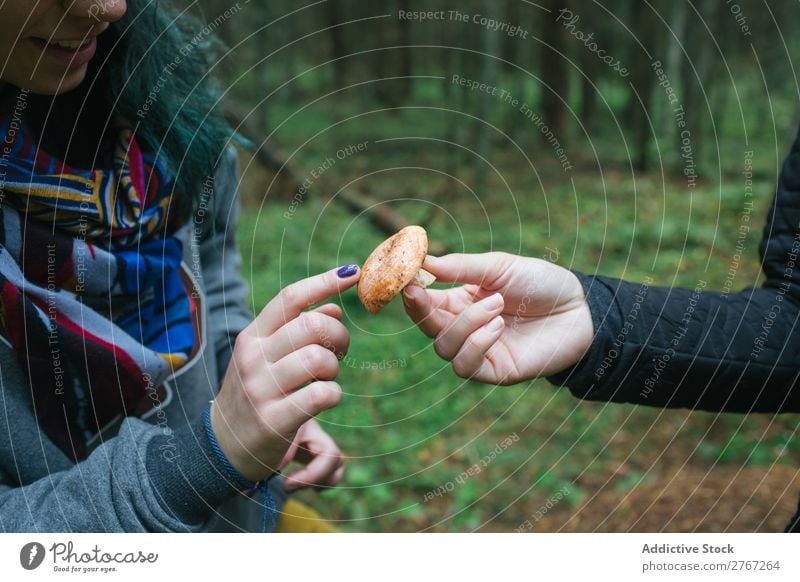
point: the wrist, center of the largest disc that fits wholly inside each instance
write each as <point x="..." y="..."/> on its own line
<point x="583" y="332"/>
<point x="268" y="518"/>
<point x="224" y="443"/>
<point x="600" y="322"/>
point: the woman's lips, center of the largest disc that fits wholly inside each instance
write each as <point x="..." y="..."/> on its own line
<point x="73" y="57"/>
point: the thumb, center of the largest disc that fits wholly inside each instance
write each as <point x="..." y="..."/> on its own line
<point x="484" y="269"/>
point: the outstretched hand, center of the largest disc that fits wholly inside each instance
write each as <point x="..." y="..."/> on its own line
<point x="513" y="319"/>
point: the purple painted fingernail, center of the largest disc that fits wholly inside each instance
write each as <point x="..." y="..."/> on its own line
<point x="347" y="271"/>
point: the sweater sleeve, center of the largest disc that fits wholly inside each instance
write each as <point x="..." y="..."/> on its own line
<point x="147" y="478"/>
<point x="694" y="348"/>
<point x="226" y="291"/>
<point x="139" y="481"/>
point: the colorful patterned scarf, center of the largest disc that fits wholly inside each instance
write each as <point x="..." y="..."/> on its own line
<point x="93" y="297"/>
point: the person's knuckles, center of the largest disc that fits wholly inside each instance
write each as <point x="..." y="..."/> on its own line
<point x="268" y="420"/>
<point x="322" y="467"/>
<point x="248" y="356"/>
<point x="337" y="477"/>
<point x="467" y="362"/>
<point x="302" y="294"/>
<point x="480" y="340"/>
<point x="442" y="347"/>
<point x="463" y="366"/>
<point x="330" y="309"/>
<point x="449" y="342"/>
<point x="312" y="322"/>
<point x="290" y="296"/>
<point x="431" y="329"/>
<point x="470" y="357"/>
<point x="278" y="425"/>
<point x="242" y="345"/>
<point x="341" y="345"/>
<point x="502" y="259"/>
<point x="302" y="405"/>
<point x="323" y="329"/>
<point x="333" y="334"/>
<point x="322" y="396"/>
<point x="474" y="319"/>
<point x="309" y="363"/>
<point x="331" y="453"/>
<point x="319" y="362"/>
<point x="327" y="441"/>
<point x="257" y="391"/>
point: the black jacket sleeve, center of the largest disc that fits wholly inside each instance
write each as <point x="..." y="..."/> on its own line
<point x="693" y="348"/>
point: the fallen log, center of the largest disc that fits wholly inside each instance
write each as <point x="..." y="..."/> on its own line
<point x="384" y="218"/>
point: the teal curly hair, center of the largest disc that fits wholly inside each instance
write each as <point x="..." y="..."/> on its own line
<point x="152" y="70"/>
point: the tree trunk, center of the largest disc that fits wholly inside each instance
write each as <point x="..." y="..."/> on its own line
<point x="672" y="64"/>
<point x="339" y="64"/>
<point x="639" y="107"/>
<point x="489" y="76"/>
<point x="390" y="61"/>
<point x="553" y="72"/>
<point x="694" y="84"/>
<point x="589" y="68"/>
<point x="405" y="54"/>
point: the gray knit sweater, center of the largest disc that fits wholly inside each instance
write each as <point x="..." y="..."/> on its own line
<point x="154" y="473"/>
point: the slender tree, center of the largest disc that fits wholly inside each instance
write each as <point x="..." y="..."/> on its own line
<point x="552" y="71"/>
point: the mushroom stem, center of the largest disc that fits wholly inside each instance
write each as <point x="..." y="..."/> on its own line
<point x="423" y="278"/>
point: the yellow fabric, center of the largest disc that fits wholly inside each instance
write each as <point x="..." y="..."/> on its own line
<point x="297" y="517"/>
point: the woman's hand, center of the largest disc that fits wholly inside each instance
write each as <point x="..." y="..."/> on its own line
<point x="515" y="318"/>
<point x="316" y="449"/>
<point x="262" y="403"/>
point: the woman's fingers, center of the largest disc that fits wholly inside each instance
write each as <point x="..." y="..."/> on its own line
<point x="261" y="404"/>
<point x="329" y="309"/>
<point x="310" y="327"/>
<point x="484" y="269"/>
<point x="337" y="476"/>
<point x="320" y="471"/>
<point x="470" y="361"/>
<point x="450" y="340"/>
<point x="312" y="362"/>
<point x="293" y="299"/>
<point x="418" y="306"/>
<point x="291" y="412"/>
<point x="316" y="474"/>
<point x="455" y="299"/>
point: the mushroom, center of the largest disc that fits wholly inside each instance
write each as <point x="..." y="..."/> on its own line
<point x="396" y="262"/>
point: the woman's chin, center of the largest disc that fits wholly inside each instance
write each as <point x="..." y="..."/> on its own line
<point x="54" y="84"/>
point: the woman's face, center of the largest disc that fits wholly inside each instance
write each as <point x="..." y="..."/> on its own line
<point x="45" y="45"/>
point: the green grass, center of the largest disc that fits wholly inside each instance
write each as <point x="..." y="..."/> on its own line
<point x="407" y="423"/>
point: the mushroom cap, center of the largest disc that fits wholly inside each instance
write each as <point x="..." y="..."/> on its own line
<point x="391" y="267"/>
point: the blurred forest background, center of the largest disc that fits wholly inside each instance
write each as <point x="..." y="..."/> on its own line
<point x="631" y="141"/>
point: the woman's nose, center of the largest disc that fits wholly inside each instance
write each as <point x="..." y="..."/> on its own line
<point x="97" y="10"/>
